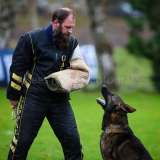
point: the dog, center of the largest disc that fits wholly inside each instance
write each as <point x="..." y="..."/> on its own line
<point x="117" y="140"/>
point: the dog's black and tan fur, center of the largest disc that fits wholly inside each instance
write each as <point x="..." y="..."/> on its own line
<point x="117" y="140"/>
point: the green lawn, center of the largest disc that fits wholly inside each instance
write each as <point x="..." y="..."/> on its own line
<point x="144" y="122"/>
<point x="135" y="89"/>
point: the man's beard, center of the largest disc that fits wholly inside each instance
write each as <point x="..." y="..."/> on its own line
<point x="59" y="39"/>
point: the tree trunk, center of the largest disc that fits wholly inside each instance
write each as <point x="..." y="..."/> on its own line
<point x="33" y="14"/>
<point x="97" y="13"/>
<point x="6" y="21"/>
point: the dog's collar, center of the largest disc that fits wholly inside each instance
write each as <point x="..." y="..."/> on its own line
<point x="115" y="129"/>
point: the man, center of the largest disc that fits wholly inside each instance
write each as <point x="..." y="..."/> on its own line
<point x="38" y="54"/>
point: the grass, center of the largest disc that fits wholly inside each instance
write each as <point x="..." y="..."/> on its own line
<point x="144" y="122"/>
<point x="139" y="94"/>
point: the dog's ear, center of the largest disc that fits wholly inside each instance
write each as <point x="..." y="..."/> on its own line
<point x="130" y="109"/>
<point x="121" y="109"/>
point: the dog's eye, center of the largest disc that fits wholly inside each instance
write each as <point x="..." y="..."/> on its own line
<point x="114" y="107"/>
<point x="117" y="108"/>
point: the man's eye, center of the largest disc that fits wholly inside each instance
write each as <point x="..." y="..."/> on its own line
<point x="69" y="27"/>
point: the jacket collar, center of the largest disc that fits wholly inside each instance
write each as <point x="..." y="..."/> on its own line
<point x="49" y="33"/>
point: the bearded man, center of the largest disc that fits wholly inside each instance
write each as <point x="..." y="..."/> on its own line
<point x="42" y="55"/>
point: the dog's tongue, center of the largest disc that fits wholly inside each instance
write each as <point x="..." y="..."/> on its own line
<point x="101" y="101"/>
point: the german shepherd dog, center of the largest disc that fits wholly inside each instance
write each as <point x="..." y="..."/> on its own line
<point x="117" y="140"/>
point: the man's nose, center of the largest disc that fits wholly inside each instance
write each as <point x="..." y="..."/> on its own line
<point x="70" y="31"/>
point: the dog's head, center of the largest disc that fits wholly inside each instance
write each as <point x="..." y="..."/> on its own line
<point x="115" y="110"/>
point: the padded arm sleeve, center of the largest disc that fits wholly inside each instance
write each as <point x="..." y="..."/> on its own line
<point x="76" y="53"/>
<point x="73" y="78"/>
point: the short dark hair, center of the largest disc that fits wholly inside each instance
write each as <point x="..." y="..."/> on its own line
<point x="61" y="14"/>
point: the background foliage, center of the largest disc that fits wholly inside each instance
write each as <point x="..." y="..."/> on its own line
<point x="147" y="47"/>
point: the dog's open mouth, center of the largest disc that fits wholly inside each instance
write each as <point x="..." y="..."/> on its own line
<point x="101" y="101"/>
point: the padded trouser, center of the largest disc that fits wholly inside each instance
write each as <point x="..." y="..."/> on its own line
<point x="31" y="113"/>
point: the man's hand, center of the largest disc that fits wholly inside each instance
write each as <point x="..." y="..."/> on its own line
<point x="13" y="103"/>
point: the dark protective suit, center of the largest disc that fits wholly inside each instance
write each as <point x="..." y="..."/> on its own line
<point x="34" y="58"/>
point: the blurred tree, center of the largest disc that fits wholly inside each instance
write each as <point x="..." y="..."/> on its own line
<point x="138" y="44"/>
<point x="8" y="10"/>
<point x="33" y="14"/>
<point x="97" y="13"/>
<point x="6" y="21"/>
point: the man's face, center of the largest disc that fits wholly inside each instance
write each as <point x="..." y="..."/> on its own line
<point x="63" y="31"/>
<point x="68" y="25"/>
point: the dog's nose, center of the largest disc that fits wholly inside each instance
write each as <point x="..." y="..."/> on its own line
<point x="105" y="88"/>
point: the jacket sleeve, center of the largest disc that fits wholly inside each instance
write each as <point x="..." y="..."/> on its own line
<point x="20" y="61"/>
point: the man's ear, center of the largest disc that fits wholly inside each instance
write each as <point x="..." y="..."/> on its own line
<point x="55" y="24"/>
